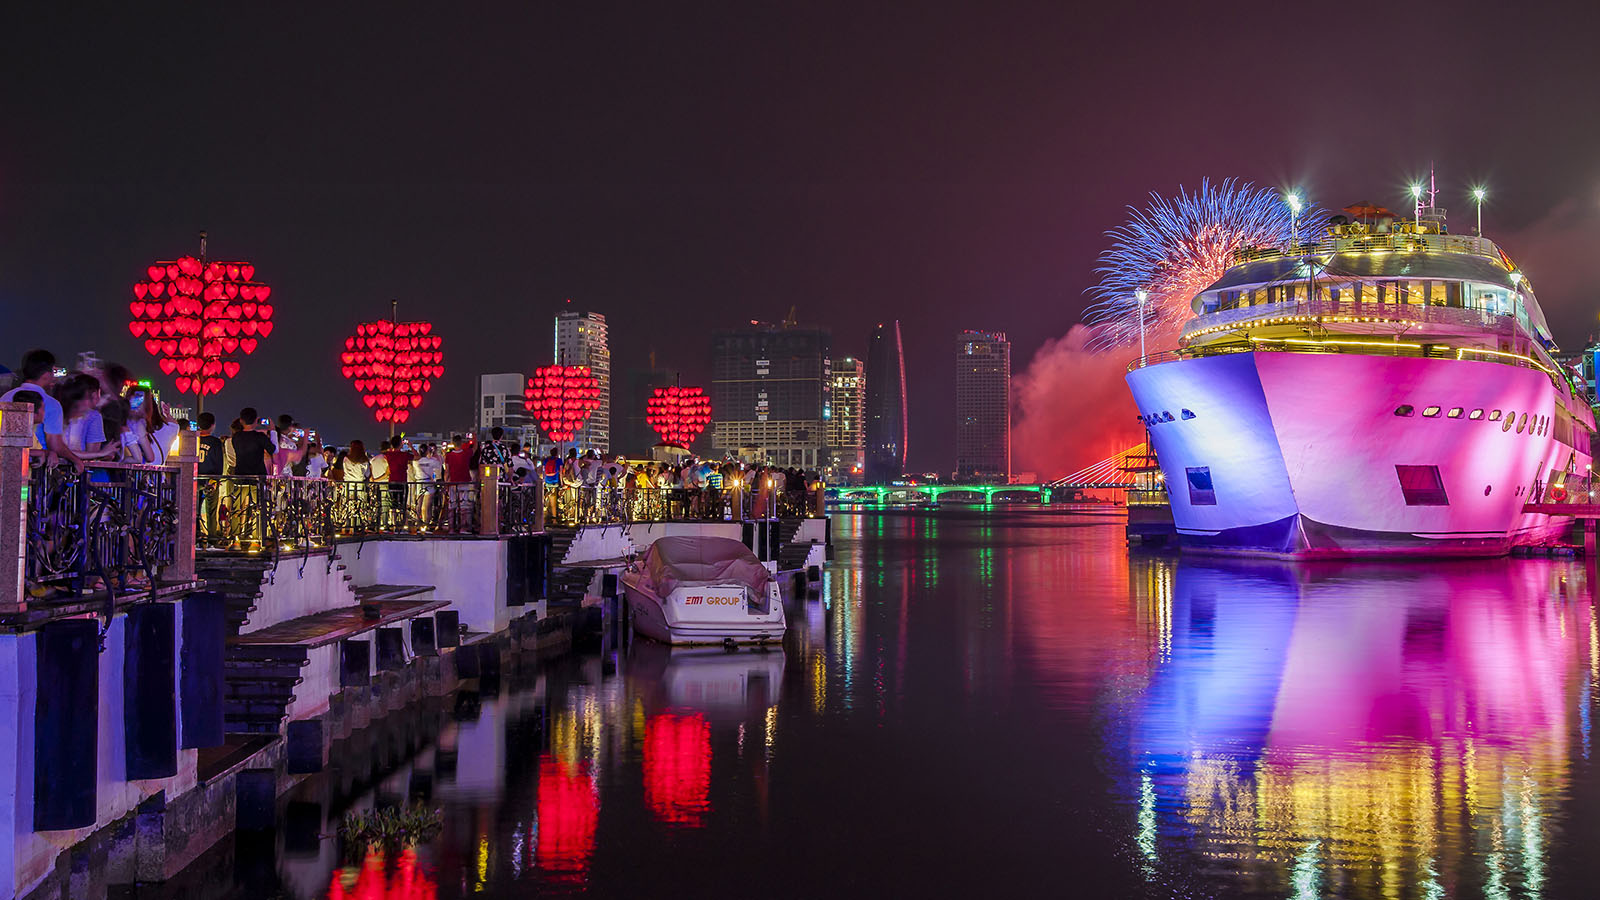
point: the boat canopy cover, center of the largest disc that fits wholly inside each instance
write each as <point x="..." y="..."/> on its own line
<point x="674" y="562"/>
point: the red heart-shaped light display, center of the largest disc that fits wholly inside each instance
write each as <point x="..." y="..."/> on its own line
<point x="184" y="310"/>
<point x="678" y="414"/>
<point x="384" y="360"/>
<point x="562" y="397"/>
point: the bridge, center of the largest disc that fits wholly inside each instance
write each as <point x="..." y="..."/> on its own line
<point x="1114" y="473"/>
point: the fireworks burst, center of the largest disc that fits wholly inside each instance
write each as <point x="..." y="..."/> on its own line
<point x="1176" y="248"/>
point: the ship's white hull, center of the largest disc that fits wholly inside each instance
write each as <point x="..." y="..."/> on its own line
<point x="1301" y="451"/>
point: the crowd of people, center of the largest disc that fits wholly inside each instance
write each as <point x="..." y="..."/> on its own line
<point x="101" y="415"/>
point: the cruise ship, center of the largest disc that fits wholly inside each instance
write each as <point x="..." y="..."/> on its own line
<point x="1387" y="390"/>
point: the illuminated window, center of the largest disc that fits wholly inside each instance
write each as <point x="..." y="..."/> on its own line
<point x="1510" y="420"/>
<point x="1166" y="416"/>
<point x="1522" y="423"/>
<point x="1430" y="412"/>
<point x="1475" y="415"/>
<point x="1200" y="490"/>
<point x="1407" y="410"/>
<point x="1421" y="485"/>
<point x="1186" y="414"/>
<point x="1454" y="413"/>
<point x="1494" y="415"/>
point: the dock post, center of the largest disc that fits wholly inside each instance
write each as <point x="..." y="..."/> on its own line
<point x="16" y="436"/>
<point x="489" y="500"/>
<point x="187" y="457"/>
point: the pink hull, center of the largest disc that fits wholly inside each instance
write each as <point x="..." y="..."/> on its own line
<point x="1296" y="454"/>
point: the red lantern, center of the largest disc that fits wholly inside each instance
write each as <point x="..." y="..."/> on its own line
<point x="562" y="397"/>
<point x="372" y="360"/>
<point x="678" y="414"/>
<point x="169" y="305"/>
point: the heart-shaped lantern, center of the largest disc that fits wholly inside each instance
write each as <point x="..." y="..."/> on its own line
<point x="392" y="364"/>
<point x="678" y="414"/>
<point x="179" y="310"/>
<point x="561" y="398"/>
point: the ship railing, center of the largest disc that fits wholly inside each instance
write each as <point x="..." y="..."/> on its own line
<point x="1566" y="489"/>
<point x="1349" y="312"/>
<point x="1403" y="240"/>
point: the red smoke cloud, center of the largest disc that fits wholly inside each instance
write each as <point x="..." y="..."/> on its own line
<point x="1073" y="407"/>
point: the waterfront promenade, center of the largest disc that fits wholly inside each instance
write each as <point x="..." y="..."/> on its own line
<point x="181" y="650"/>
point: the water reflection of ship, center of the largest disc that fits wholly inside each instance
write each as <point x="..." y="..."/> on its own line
<point x="1378" y="728"/>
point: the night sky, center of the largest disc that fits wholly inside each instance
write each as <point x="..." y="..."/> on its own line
<point x="680" y="167"/>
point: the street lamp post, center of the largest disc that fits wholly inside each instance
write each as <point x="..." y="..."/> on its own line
<point x="1295" y="205"/>
<point x="1141" y="296"/>
<point x="1478" y="194"/>
<point x="1416" y="195"/>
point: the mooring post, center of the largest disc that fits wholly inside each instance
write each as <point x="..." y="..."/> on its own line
<point x="16" y="436"/>
<point x="187" y="456"/>
<point x="489" y="500"/>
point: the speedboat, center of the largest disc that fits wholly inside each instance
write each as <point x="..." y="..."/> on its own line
<point x="703" y="590"/>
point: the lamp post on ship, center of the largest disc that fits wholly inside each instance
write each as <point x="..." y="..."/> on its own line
<point x="1295" y="205"/>
<point x="1478" y="193"/>
<point x="1141" y="296"/>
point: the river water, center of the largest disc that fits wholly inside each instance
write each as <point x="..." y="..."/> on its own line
<point x="980" y="703"/>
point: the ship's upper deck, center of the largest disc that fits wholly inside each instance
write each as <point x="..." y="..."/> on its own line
<point x="1412" y="273"/>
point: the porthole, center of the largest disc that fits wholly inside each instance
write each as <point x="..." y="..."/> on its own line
<point x="1475" y="415"/>
<point x="1454" y="413"/>
<point x="1406" y="410"/>
<point x="1430" y="412"/>
<point x="1487" y="488"/>
<point x="1508" y="421"/>
<point x="1166" y="416"/>
<point x="1494" y="415"/>
<point x="1186" y="414"/>
<point x="1522" y="423"/>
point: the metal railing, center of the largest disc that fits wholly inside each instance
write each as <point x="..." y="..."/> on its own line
<point x="613" y="504"/>
<point x="1405" y="238"/>
<point x="111" y="528"/>
<point x="1409" y="313"/>
<point x="240" y="512"/>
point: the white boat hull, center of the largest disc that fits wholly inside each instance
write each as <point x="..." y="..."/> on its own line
<point x="705" y="615"/>
<point x="1301" y="451"/>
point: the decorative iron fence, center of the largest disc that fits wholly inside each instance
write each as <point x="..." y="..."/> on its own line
<point x="112" y="527"/>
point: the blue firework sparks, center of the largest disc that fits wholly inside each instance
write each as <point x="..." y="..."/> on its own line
<point x="1178" y="246"/>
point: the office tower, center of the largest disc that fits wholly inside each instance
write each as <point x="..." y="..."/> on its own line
<point x="983" y="406"/>
<point x="885" y="428"/>
<point x="500" y="404"/>
<point x="633" y="435"/>
<point x="581" y="341"/>
<point x="846" y="440"/>
<point x="769" y="393"/>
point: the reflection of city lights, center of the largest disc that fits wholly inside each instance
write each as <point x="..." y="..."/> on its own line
<point x="677" y="767"/>
<point x="569" y="809"/>
<point x="770" y="732"/>
<point x="408" y="881"/>
<point x="1147" y="818"/>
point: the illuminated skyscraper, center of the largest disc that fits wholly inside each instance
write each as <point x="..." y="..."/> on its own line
<point x="847" y="442"/>
<point x="983" y="406"/>
<point x="500" y="404"/>
<point x="886" y="405"/>
<point x="769" y="393"/>
<point x="581" y="341"/>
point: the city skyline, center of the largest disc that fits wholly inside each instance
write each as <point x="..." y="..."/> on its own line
<point x="673" y="220"/>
